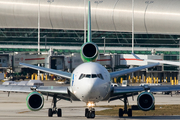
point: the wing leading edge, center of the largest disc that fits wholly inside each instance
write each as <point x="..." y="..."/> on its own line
<point x="158" y="61"/>
<point x="126" y="71"/>
<point x="60" y="92"/>
<point x="54" y="72"/>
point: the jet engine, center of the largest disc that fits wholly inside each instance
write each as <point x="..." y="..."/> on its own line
<point x="35" y="101"/>
<point x="145" y="101"/>
<point x="89" y="52"/>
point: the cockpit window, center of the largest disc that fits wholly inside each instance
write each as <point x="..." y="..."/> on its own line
<point x="91" y="76"/>
<point x="88" y="76"/>
<point x="94" y="75"/>
<point x="81" y="76"/>
<point x="100" y="76"/>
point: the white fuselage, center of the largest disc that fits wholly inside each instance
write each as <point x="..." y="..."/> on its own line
<point x="90" y="82"/>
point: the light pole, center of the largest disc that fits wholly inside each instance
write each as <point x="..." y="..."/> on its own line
<point x="38" y="35"/>
<point x="132" y="74"/>
<point x="179" y="60"/>
<point x="38" y="26"/>
<point x="85" y="21"/>
<point x="104" y="43"/>
<point x="132" y="26"/>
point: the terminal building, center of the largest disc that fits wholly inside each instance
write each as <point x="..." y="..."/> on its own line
<point x="156" y="27"/>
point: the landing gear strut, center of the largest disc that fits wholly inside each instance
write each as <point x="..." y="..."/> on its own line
<point x="54" y="109"/>
<point x="126" y="111"/>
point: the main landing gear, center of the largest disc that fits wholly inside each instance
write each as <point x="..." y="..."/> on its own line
<point x="54" y="109"/>
<point x="129" y="111"/>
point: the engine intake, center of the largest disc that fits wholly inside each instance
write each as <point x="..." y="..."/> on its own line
<point x="89" y="52"/>
<point x="145" y="101"/>
<point x="35" y="101"/>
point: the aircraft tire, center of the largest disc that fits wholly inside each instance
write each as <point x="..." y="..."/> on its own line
<point x="129" y="112"/>
<point x="120" y="112"/>
<point x="90" y="114"/>
<point x="86" y="112"/>
<point x="93" y="114"/>
<point x="59" y="113"/>
<point x="50" y="112"/>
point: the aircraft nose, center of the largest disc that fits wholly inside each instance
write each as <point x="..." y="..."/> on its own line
<point x="90" y="86"/>
<point x="90" y="91"/>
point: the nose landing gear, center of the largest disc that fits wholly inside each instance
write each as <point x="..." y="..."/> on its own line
<point x="90" y="111"/>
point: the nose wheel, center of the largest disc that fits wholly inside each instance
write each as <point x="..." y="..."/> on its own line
<point x="90" y="112"/>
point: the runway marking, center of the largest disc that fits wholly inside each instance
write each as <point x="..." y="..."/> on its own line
<point x="23" y="112"/>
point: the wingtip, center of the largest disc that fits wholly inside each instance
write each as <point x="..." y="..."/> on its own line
<point x="136" y="56"/>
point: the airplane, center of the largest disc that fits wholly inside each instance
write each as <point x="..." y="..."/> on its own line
<point x="90" y="82"/>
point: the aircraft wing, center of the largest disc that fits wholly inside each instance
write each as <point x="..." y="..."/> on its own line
<point x="164" y="88"/>
<point x="134" y="89"/>
<point x="163" y="62"/>
<point x="120" y="92"/>
<point x="15" y="88"/>
<point x="27" y="89"/>
<point x="54" y="72"/>
<point x="130" y="70"/>
<point x="158" y="61"/>
<point x="60" y="92"/>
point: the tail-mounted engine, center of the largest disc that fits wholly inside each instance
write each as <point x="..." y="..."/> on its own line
<point x="89" y="52"/>
<point x="145" y="101"/>
<point x="35" y="101"/>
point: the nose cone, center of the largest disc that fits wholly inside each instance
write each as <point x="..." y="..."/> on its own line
<point x="91" y="90"/>
<point x="92" y="87"/>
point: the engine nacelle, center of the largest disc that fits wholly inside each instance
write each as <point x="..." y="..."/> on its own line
<point x="35" y="101"/>
<point x="145" y="101"/>
<point x="89" y="52"/>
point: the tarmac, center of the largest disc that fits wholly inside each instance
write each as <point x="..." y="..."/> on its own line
<point x="14" y="108"/>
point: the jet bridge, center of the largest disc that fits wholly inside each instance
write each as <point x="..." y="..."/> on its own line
<point x="111" y="60"/>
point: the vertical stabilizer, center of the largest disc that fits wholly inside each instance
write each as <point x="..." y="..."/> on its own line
<point x="89" y="50"/>
<point x="89" y="22"/>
